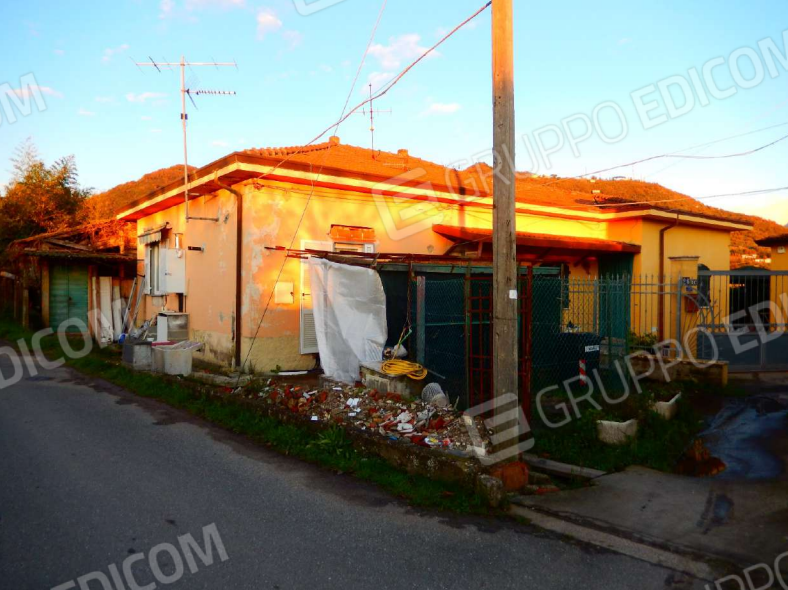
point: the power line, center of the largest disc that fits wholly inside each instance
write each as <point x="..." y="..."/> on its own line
<point x="311" y="192"/>
<point x="673" y="155"/>
<point x="651" y="202"/>
<point x="382" y="92"/>
<point x="343" y="117"/>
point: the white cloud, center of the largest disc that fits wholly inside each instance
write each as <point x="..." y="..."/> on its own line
<point x="399" y="49"/>
<point x="104" y="99"/>
<point x="110" y="52"/>
<point x="326" y="68"/>
<point x="59" y="52"/>
<point x="378" y="80"/>
<point x="624" y="41"/>
<point x="30" y="90"/>
<point x="443" y="108"/>
<point x="155" y="130"/>
<point x="220" y="143"/>
<point x="267" y="22"/>
<point x="144" y="96"/>
<point x="85" y="113"/>
<point x="293" y="39"/>
<point x="146" y="118"/>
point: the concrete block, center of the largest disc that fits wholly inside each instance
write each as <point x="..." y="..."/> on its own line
<point x="667" y="410"/>
<point x="616" y="433"/>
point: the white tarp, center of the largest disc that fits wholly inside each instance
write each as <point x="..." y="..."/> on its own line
<point x="349" y="307"/>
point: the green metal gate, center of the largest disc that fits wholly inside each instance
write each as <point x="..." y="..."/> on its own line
<point x="68" y="295"/>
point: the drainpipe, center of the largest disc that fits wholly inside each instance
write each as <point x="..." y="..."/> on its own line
<point x="661" y="301"/>
<point x="239" y="222"/>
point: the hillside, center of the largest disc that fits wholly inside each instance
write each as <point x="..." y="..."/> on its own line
<point x="612" y="191"/>
<point x="106" y="205"/>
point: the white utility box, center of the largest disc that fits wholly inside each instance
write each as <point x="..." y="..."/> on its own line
<point x="172" y="326"/>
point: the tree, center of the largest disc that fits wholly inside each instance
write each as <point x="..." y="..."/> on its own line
<point x="40" y="198"/>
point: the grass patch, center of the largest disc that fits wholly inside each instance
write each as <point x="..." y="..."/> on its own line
<point x="659" y="444"/>
<point x="331" y="449"/>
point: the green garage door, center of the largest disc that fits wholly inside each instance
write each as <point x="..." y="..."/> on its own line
<point x="68" y="295"/>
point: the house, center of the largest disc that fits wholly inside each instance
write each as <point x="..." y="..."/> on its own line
<point x="778" y="280"/>
<point x="252" y="214"/>
<point x="66" y="272"/>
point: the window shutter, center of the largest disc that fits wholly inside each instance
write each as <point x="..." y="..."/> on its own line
<point x="308" y="335"/>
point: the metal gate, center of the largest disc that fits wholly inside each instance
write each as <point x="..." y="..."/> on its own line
<point x="479" y="340"/>
<point x="744" y="316"/>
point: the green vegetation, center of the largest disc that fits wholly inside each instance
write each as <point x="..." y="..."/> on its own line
<point x="40" y="198"/>
<point x="331" y="449"/>
<point x="659" y="444"/>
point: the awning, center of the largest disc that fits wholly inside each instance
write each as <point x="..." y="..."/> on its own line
<point x="152" y="235"/>
<point x="539" y="244"/>
<point x="80" y="255"/>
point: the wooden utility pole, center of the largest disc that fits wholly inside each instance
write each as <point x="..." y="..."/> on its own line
<point x="505" y="357"/>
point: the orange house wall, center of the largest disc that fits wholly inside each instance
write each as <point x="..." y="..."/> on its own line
<point x="271" y="216"/>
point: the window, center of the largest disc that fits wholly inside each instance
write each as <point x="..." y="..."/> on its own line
<point x="353" y="247"/>
<point x="152" y="264"/>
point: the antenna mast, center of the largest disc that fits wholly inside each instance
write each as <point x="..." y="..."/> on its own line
<point x="372" y="113"/>
<point x="185" y="116"/>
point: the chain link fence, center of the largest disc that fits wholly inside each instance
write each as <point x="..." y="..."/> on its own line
<point x="579" y="328"/>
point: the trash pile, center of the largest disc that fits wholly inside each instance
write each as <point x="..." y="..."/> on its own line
<point x="435" y="424"/>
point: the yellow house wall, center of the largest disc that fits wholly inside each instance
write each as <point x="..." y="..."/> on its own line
<point x="273" y="212"/>
<point x="271" y="216"/>
<point x="779" y="288"/>
<point x="210" y="275"/>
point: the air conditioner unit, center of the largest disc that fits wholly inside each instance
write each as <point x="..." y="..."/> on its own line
<point x="172" y="327"/>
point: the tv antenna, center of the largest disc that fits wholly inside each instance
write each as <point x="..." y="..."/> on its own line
<point x="183" y="64"/>
<point x="372" y="112"/>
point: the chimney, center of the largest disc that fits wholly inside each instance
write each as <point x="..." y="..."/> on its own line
<point x="402" y="153"/>
<point x="333" y="140"/>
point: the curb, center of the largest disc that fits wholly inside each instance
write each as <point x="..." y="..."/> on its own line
<point x="641" y="551"/>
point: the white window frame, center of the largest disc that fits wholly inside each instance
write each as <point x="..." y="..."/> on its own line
<point x="153" y="269"/>
<point x="307" y="338"/>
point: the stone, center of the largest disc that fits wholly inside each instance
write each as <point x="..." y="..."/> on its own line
<point x="491" y="489"/>
<point x="667" y="410"/>
<point x="616" y="433"/>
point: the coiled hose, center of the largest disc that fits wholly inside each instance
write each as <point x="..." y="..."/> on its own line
<point x="396" y="367"/>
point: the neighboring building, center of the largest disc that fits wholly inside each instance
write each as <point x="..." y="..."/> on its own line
<point x="778" y="282"/>
<point x="332" y="197"/>
<point x="63" y="270"/>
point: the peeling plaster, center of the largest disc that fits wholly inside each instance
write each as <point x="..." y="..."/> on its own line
<point x="257" y="234"/>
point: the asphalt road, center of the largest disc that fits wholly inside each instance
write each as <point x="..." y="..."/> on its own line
<point x="90" y="474"/>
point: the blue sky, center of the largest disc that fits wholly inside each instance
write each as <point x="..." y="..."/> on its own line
<point x="294" y="73"/>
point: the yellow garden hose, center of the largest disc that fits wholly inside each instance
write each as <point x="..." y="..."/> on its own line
<point x="397" y="367"/>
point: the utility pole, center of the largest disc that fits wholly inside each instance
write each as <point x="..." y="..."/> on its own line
<point x="185" y="116"/>
<point x="505" y="301"/>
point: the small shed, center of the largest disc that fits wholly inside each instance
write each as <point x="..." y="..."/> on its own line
<point x="64" y="273"/>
